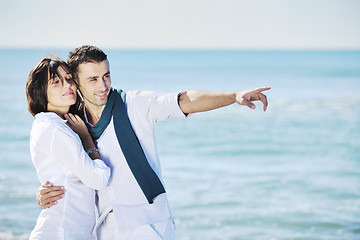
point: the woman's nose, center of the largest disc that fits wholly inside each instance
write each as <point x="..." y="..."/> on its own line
<point x="67" y="84"/>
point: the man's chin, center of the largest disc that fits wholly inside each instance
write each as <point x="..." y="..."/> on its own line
<point x="101" y="102"/>
<point x="96" y="103"/>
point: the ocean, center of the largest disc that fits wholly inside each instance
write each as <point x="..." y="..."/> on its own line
<point x="291" y="173"/>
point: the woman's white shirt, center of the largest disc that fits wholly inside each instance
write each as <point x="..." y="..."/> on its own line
<point x="58" y="156"/>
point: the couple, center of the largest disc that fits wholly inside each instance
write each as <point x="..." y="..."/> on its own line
<point x="132" y="202"/>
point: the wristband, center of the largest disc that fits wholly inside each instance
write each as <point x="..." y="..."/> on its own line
<point x="91" y="150"/>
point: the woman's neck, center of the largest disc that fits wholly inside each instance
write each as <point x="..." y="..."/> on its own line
<point x="60" y="112"/>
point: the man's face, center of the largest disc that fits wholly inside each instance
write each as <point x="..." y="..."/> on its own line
<point x="94" y="83"/>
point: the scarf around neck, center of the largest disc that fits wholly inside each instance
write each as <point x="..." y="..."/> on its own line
<point x="145" y="176"/>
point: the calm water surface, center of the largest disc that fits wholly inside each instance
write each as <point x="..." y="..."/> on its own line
<point x="291" y="173"/>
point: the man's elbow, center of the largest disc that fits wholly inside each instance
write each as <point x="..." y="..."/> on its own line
<point x="185" y="103"/>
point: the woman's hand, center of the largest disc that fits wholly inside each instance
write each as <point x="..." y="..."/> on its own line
<point x="77" y="125"/>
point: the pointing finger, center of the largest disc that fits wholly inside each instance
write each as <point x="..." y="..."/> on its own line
<point x="261" y="89"/>
<point x="254" y="92"/>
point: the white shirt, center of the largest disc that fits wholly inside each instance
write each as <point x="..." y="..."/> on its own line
<point x="123" y="193"/>
<point x="58" y="156"/>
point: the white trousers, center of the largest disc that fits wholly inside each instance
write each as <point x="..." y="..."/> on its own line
<point x="157" y="231"/>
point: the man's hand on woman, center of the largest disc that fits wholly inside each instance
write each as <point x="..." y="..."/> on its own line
<point x="48" y="195"/>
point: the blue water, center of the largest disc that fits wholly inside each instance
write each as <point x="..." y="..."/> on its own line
<point x="291" y="173"/>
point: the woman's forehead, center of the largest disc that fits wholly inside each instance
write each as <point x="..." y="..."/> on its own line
<point x="63" y="69"/>
<point x="60" y="71"/>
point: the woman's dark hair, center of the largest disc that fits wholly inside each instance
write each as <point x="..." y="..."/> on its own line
<point x="37" y="83"/>
<point x="84" y="54"/>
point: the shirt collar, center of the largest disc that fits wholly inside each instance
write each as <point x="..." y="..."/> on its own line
<point x="86" y="118"/>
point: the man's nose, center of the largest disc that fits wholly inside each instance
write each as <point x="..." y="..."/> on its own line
<point x="102" y="85"/>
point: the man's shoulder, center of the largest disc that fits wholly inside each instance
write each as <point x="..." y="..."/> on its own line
<point x="135" y="96"/>
<point x="140" y="93"/>
<point x="121" y="92"/>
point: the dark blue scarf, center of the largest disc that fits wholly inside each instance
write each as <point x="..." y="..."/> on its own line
<point x="145" y="176"/>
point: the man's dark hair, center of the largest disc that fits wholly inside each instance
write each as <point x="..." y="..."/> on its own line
<point x="84" y="54"/>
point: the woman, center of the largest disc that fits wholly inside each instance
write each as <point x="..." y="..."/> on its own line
<point x="58" y="153"/>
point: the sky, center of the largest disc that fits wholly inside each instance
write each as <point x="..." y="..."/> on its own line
<point x="181" y="24"/>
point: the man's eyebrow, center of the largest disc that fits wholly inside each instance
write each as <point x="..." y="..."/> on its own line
<point x="107" y="73"/>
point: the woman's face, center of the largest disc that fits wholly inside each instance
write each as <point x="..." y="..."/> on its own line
<point x="61" y="92"/>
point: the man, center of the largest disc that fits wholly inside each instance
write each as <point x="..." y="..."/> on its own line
<point x="134" y="205"/>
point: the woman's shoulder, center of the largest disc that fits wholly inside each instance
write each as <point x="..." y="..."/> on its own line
<point x="49" y="123"/>
<point x="47" y="117"/>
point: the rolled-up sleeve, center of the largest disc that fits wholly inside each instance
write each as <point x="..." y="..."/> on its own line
<point x="68" y="150"/>
<point x="156" y="106"/>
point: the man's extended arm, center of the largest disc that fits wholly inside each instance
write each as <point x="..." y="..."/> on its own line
<point x="199" y="101"/>
<point x="190" y="102"/>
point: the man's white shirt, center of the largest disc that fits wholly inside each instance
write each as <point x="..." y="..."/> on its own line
<point x="123" y="193"/>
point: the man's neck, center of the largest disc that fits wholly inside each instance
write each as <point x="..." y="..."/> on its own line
<point x="93" y="113"/>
